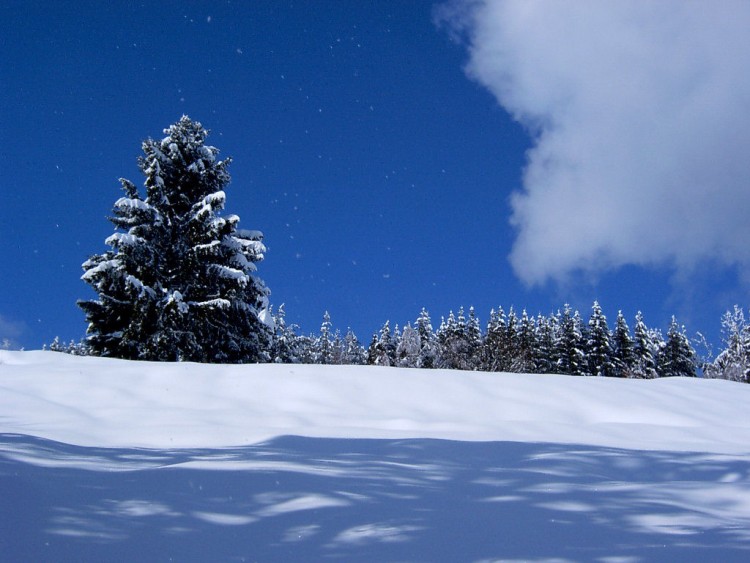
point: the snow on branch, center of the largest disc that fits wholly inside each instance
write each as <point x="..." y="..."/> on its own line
<point x="241" y="261"/>
<point x="132" y="203"/>
<point x="216" y="199"/>
<point x="250" y="234"/>
<point x="208" y="248"/>
<point x="208" y="204"/>
<point x="140" y="286"/>
<point x="123" y="239"/>
<point x="230" y="273"/>
<point x="212" y="304"/>
<point x="100" y="268"/>
<point x="209" y="153"/>
<point x="176" y="298"/>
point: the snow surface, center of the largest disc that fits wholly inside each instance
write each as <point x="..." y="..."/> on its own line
<point x="110" y="460"/>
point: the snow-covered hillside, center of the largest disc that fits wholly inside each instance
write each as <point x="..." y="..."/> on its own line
<point x="110" y="460"/>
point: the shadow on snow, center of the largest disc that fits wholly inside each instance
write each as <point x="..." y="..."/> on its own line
<point x="307" y="499"/>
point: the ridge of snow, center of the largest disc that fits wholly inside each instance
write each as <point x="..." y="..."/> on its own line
<point x="107" y="402"/>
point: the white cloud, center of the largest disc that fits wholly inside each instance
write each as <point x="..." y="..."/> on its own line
<point x="640" y="115"/>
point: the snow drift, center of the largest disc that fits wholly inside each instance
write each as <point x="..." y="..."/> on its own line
<point x="112" y="460"/>
<point x="115" y="403"/>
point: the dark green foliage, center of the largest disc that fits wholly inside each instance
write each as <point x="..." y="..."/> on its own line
<point x="623" y="355"/>
<point x="427" y="341"/>
<point x="677" y="358"/>
<point x="644" y="350"/>
<point x="598" y="344"/>
<point x="179" y="282"/>
<point x="571" y="358"/>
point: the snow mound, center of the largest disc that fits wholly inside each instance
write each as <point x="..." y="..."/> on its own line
<point x="102" y="402"/>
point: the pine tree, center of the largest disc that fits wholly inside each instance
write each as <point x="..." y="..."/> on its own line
<point x="510" y="344"/>
<point x="382" y="351"/>
<point x="493" y="348"/>
<point x="179" y="282"/>
<point x="733" y="362"/>
<point x="445" y="335"/>
<point x="598" y="345"/>
<point x="644" y="365"/>
<point x="569" y="348"/>
<point x="474" y="341"/>
<point x="453" y="339"/>
<point x="337" y="349"/>
<point x="408" y="348"/>
<point x="545" y="360"/>
<point x="526" y="347"/>
<point x="677" y="358"/>
<point x="305" y="348"/>
<point x="323" y="346"/>
<point x="372" y="351"/>
<point x="285" y="345"/>
<point x="427" y="342"/>
<point x="623" y="356"/>
<point x="354" y="354"/>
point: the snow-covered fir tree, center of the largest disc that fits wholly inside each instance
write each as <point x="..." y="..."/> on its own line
<point x="571" y="358"/>
<point x="453" y="340"/>
<point x="337" y="349"/>
<point x="382" y="349"/>
<point x="677" y="358"/>
<point x="494" y="353"/>
<point x="545" y="360"/>
<point x="323" y="345"/>
<point x="644" y="350"/>
<point x="510" y="345"/>
<point x="354" y="353"/>
<point x="733" y="362"/>
<point x="526" y="346"/>
<point x="598" y="344"/>
<point x="427" y="341"/>
<point x="474" y="339"/>
<point x="285" y="347"/>
<point x="179" y="282"/>
<point x="408" y="348"/>
<point x="623" y="355"/>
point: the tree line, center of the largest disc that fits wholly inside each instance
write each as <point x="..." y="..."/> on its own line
<point x="180" y="283"/>
<point x="558" y="343"/>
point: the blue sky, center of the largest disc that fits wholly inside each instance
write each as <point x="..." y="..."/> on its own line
<point x="396" y="155"/>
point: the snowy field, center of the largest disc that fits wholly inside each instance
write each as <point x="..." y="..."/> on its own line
<point x="106" y="460"/>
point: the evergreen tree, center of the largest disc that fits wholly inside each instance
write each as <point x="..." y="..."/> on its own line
<point x="623" y="354"/>
<point x="474" y="341"/>
<point x="408" y="348"/>
<point x="569" y="348"/>
<point x="644" y="358"/>
<point x="598" y="345"/>
<point x="733" y="362"/>
<point x="427" y="342"/>
<point x="337" y="349"/>
<point x="372" y="351"/>
<point x="677" y="358"/>
<point x="510" y="344"/>
<point x="179" y="282"/>
<point x="305" y="348"/>
<point x="493" y="350"/>
<point x="323" y="346"/>
<point x="444" y="336"/>
<point x="354" y="353"/>
<point x="523" y="355"/>
<point x="285" y="345"/>
<point x="382" y="351"/>
<point x="545" y="360"/>
<point x="453" y="339"/>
